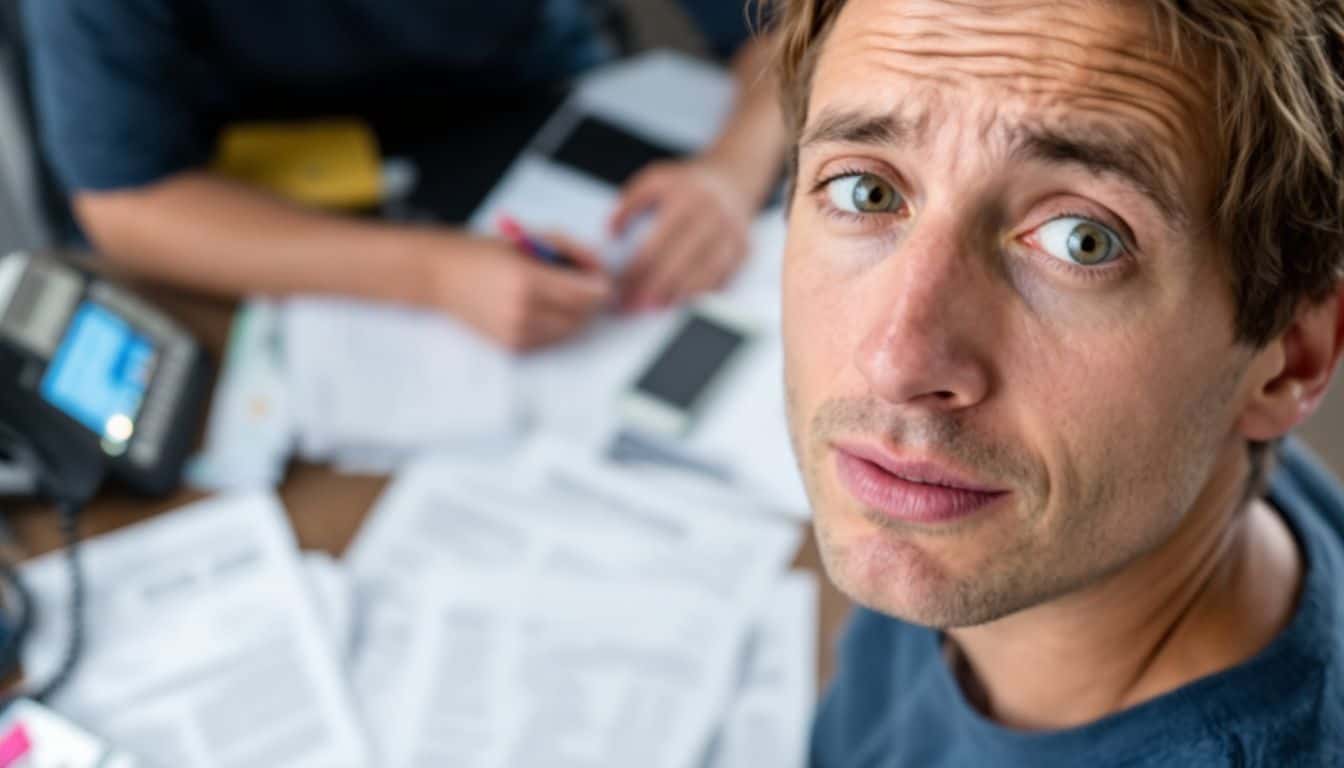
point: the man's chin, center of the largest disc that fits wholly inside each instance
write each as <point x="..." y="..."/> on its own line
<point x="904" y="577"/>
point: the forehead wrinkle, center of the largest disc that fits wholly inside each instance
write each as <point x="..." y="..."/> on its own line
<point x="1094" y="83"/>
<point x="1134" y="57"/>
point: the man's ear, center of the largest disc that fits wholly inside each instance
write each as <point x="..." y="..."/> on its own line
<point x="1290" y="375"/>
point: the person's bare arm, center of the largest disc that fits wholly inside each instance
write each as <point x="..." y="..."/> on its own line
<point x="751" y="145"/>
<point x="214" y="235"/>
<point x="704" y="206"/>
<point x="210" y="234"/>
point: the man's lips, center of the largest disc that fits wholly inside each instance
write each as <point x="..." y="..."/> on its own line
<point x="908" y="490"/>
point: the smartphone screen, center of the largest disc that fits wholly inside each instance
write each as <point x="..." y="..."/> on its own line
<point x="689" y="362"/>
<point x="607" y="151"/>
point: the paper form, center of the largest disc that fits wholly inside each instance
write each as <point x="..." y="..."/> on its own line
<point x="560" y="516"/>
<point x="202" y="646"/>
<point x="366" y="374"/>
<point x="334" y="598"/>
<point x="521" y="671"/>
<point x="770" y="719"/>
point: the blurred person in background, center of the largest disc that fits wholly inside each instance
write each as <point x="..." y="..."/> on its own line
<point x="1059" y="278"/>
<point x="132" y="95"/>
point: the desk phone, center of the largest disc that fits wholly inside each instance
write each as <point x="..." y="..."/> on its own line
<point x="76" y="347"/>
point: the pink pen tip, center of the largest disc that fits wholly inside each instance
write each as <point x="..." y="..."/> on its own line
<point x="509" y="226"/>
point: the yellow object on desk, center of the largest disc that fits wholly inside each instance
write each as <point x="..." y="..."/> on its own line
<point x="330" y="163"/>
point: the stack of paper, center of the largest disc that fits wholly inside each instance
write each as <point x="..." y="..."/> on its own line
<point x="571" y="566"/>
<point x="203" y="643"/>
<point x="550" y="610"/>
<point x="770" y="718"/>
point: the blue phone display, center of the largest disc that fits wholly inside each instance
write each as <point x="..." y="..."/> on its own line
<point x="100" y="372"/>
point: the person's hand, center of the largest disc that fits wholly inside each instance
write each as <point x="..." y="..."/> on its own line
<point x="698" y="238"/>
<point x="518" y="301"/>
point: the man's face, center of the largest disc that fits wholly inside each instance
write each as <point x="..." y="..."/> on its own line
<point x="1010" y="350"/>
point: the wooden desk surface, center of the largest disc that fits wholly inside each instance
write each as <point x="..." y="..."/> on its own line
<point x="325" y="508"/>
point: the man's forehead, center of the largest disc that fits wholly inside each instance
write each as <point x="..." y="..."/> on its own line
<point x="1081" y="66"/>
<point x="1061" y="40"/>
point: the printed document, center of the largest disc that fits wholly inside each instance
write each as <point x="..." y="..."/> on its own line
<point x="362" y="374"/>
<point x="770" y="719"/>
<point x="203" y="648"/>
<point x="518" y="671"/>
<point x="555" y="516"/>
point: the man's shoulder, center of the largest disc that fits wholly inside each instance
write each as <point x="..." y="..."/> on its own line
<point x="873" y="637"/>
<point x="883" y="663"/>
<point x="877" y="651"/>
<point x="1300" y="484"/>
<point x="1286" y="705"/>
<point x="1311" y="500"/>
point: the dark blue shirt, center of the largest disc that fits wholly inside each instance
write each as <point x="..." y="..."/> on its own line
<point x="895" y="701"/>
<point x="129" y="91"/>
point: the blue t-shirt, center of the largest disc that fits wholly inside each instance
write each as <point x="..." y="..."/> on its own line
<point x="129" y="91"/>
<point x="895" y="701"/>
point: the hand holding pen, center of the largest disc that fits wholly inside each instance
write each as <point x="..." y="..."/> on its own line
<point x="511" y="229"/>
<point x="525" y="291"/>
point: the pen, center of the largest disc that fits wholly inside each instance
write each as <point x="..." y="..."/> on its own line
<point x="515" y="233"/>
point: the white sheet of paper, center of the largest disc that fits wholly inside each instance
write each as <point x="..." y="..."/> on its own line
<point x="334" y="598"/>
<point x="203" y="647"/>
<point x="770" y="719"/>
<point x="552" y="514"/>
<point x="733" y="550"/>
<point x="522" y="670"/>
<point x="664" y="95"/>
<point x="369" y="375"/>
<point x="547" y="197"/>
<point x="55" y="742"/>
<point x="573" y="390"/>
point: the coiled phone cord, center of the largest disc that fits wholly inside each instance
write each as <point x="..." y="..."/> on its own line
<point x="23" y="622"/>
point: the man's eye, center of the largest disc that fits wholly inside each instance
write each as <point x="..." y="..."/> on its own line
<point x="1079" y="241"/>
<point x="863" y="193"/>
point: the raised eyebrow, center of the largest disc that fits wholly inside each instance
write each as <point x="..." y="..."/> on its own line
<point x="1103" y="152"/>
<point x="852" y="127"/>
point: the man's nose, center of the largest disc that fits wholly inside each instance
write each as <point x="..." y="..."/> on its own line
<point x="928" y="325"/>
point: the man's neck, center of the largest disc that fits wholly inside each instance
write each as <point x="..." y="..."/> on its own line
<point x="1212" y="596"/>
